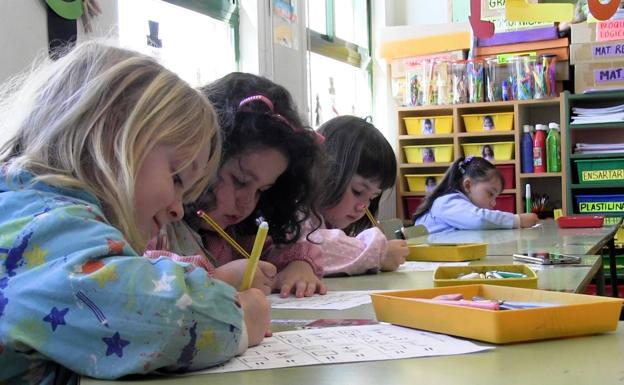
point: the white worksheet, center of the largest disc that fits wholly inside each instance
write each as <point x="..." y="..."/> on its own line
<point x="333" y="300"/>
<point x="427" y="266"/>
<point x="345" y="344"/>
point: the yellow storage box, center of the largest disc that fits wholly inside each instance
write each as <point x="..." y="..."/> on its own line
<point x="490" y="150"/>
<point x="427" y="125"/>
<point x="446" y="252"/>
<point x="435" y="153"/>
<point x="449" y="276"/>
<point x="501" y="121"/>
<point x="423" y="183"/>
<point x="573" y="314"/>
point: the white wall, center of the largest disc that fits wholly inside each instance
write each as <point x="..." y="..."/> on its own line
<point x="24" y="32"/>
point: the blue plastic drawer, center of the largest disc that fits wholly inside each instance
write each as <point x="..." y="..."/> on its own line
<point x="600" y="203"/>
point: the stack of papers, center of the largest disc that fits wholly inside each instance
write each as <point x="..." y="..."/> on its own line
<point x="599" y="148"/>
<point x="598" y="115"/>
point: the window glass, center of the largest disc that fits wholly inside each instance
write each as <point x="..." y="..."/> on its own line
<point x="337" y="88"/>
<point x="351" y="21"/>
<point x="189" y="39"/>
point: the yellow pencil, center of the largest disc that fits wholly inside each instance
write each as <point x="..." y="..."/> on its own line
<point x="371" y="218"/>
<point x="261" y="235"/>
<point x="202" y="214"/>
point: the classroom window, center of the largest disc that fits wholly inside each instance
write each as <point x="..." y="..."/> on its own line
<point x="197" y="40"/>
<point x="339" y="59"/>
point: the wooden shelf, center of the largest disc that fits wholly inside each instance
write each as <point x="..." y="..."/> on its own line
<point x="486" y="133"/>
<point x="524" y="112"/>
<point x="424" y="165"/>
<point x="597" y="156"/>
<point x="596" y="126"/>
<point x="541" y="175"/>
<point x="436" y="136"/>
<point x="579" y="186"/>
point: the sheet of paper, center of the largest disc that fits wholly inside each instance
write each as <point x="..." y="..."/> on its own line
<point x="333" y="300"/>
<point x="345" y="344"/>
<point x="427" y="266"/>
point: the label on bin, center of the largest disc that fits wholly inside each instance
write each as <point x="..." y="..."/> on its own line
<point x="602" y="207"/>
<point x="597" y="175"/>
<point x="608" y="50"/>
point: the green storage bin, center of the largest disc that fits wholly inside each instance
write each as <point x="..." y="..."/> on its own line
<point x="600" y="171"/>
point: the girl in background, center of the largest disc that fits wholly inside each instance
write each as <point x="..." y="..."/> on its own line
<point x="269" y="169"/>
<point x="465" y="200"/>
<point x="362" y="167"/>
<point x="108" y="144"/>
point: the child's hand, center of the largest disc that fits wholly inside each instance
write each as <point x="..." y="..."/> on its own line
<point x="232" y="273"/>
<point x="299" y="277"/>
<point x="528" y="220"/>
<point x="257" y="314"/>
<point x="395" y="255"/>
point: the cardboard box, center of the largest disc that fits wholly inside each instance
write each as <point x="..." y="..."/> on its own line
<point x="610" y="30"/>
<point x="599" y="52"/>
<point x="599" y="76"/>
<point x="571" y="315"/>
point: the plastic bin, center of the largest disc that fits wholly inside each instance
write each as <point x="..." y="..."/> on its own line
<point x="424" y="182"/>
<point x="490" y="150"/>
<point x="600" y="171"/>
<point x="572" y="315"/>
<point x="434" y="153"/>
<point x="506" y="202"/>
<point x="410" y="204"/>
<point x="500" y="121"/>
<point x="446" y="252"/>
<point x="508" y="171"/>
<point x="580" y="221"/>
<point x="448" y="276"/>
<point x="613" y="203"/>
<point x="426" y="125"/>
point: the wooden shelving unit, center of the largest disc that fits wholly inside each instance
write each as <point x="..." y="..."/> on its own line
<point x="525" y="112"/>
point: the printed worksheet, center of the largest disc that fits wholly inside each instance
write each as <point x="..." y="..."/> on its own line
<point x="333" y="300"/>
<point x="345" y="344"/>
<point x="427" y="266"/>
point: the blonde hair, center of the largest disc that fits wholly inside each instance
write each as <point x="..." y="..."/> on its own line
<point x="88" y="120"/>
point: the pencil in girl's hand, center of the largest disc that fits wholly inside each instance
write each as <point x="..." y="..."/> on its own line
<point x="261" y="235"/>
<point x="215" y="226"/>
<point x="371" y="218"/>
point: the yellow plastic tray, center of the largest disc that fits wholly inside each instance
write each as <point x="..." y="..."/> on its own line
<point x="417" y="183"/>
<point x="577" y="315"/>
<point x="447" y="276"/>
<point x="441" y="153"/>
<point x="501" y="121"/>
<point x="436" y="125"/>
<point x="442" y="252"/>
<point x="502" y="150"/>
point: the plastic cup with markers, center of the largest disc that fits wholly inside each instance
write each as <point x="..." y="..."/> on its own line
<point x="493" y="92"/>
<point x="474" y="71"/>
<point x="459" y="82"/>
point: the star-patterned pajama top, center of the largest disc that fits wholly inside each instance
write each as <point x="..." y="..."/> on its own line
<point x="76" y="299"/>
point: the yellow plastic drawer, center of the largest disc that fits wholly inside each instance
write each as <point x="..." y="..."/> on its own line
<point x="573" y="315"/>
<point x="490" y="150"/>
<point x="435" y="153"/>
<point x="448" y="276"/>
<point x="423" y="183"/>
<point x="501" y="121"/>
<point x="427" y="125"/>
<point x="442" y="252"/>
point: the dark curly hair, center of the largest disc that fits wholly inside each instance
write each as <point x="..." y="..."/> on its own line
<point x="292" y="199"/>
<point x="355" y="146"/>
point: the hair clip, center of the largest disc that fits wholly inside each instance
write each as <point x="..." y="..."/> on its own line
<point x="468" y="159"/>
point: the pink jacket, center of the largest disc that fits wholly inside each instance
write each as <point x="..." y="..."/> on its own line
<point x="343" y="254"/>
<point x="183" y="240"/>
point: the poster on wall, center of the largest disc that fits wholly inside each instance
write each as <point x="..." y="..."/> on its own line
<point x="285" y="23"/>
